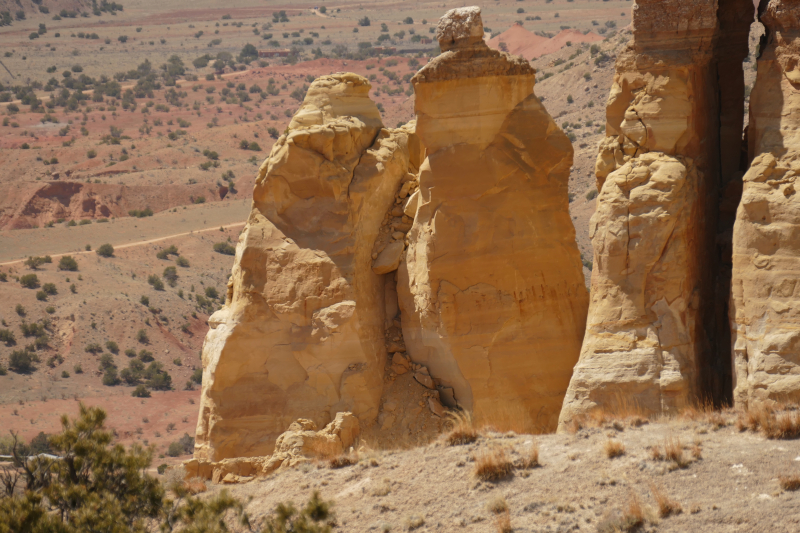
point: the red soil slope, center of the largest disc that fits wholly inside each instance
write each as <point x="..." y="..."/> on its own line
<point x="521" y="42"/>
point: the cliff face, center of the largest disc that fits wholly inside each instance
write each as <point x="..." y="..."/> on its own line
<point x="491" y="292"/>
<point x="765" y="300"/>
<point x="302" y="331"/>
<point x="652" y="339"/>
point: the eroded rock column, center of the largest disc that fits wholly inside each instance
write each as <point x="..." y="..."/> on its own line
<point x="653" y="326"/>
<point x="491" y="291"/>
<point x="765" y="298"/>
<point x="302" y="332"/>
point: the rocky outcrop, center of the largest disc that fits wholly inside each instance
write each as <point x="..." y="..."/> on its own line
<point x="302" y="333"/>
<point x="491" y="291"/>
<point x="652" y="339"/>
<point x="765" y="298"/>
<point x="300" y="443"/>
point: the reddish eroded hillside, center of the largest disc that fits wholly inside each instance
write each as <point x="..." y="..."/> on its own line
<point x="105" y="161"/>
<point x="36" y="204"/>
<point x="519" y="41"/>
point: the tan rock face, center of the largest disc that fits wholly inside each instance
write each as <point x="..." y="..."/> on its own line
<point x="491" y="291"/>
<point x="652" y="340"/>
<point x="765" y="298"/>
<point x="302" y="331"/>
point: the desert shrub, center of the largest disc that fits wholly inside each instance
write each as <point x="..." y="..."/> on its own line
<point x="3" y="277"/>
<point x="22" y="361"/>
<point x="93" y="348"/>
<point x="29" y="281"/>
<point x="141" y="336"/>
<point x="105" y="250"/>
<point x="211" y="292"/>
<point x="170" y="274"/>
<point x="145" y="356"/>
<point x="182" y="262"/>
<point x="110" y="377"/>
<point x="64" y="374"/>
<point x="156" y="378"/>
<point x="41" y="296"/>
<point x="50" y="288"/>
<point x="315" y="517"/>
<point x="144" y="300"/>
<point x="155" y="282"/>
<point x="175" y="449"/>
<point x="67" y="262"/>
<point x="197" y="376"/>
<point x="7" y="336"/>
<point x="35" y="262"/>
<point x="112" y="347"/>
<point x="591" y="195"/>
<point x="49" y="309"/>
<point x="221" y="248"/>
<point x="106" y="361"/>
<point x="164" y="253"/>
<point x="140" y="392"/>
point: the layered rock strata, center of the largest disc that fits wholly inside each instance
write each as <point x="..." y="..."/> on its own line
<point x="765" y="298"/>
<point x="302" y="332"/>
<point x="652" y="335"/>
<point x="491" y="290"/>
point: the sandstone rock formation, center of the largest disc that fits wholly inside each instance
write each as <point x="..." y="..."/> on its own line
<point x="302" y="331"/>
<point x="653" y="338"/>
<point x="491" y="291"/>
<point x="300" y="443"/>
<point x="765" y="315"/>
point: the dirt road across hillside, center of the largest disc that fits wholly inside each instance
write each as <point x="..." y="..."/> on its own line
<point x="17" y="245"/>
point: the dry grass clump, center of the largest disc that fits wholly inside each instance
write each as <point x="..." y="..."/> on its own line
<point x="414" y="522"/>
<point x="790" y="482"/>
<point x="613" y="448"/>
<point x="502" y="522"/>
<point x="655" y="453"/>
<point x="530" y="459"/>
<point x="673" y="451"/>
<point x="343" y="460"/>
<point x="497" y="505"/>
<point x="463" y="431"/>
<point x="771" y="423"/>
<point x="195" y="485"/>
<point x="493" y="465"/>
<point x="666" y="506"/>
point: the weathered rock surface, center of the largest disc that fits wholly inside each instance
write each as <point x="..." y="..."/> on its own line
<point x="491" y="291"/>
<point x="765" y="298"/>
<point x="300" y="443"/>
<point x="302" y="331"/>
<point x="652" y="341"/>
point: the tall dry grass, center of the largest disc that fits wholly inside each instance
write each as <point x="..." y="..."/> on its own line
<point x="493" y="464"/>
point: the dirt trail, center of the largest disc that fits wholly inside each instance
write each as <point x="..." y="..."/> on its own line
<point x="138" y="243"/>
<point x="125" y="232"/>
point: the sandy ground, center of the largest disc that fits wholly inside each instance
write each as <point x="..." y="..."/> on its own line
<point x="732" y="487"/>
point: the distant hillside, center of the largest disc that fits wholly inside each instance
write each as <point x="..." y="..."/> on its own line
<point x="519" y="41"/>
<point x="55" y="7"/>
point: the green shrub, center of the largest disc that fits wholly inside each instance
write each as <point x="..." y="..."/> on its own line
<point x="112" y="347"/>
<point x="130" y="352"/>
<point x="182" y="262"/>
<point x="50" y="288"/>
<point x="141" y="336"/>
<point x="105" y="250"/>
<point x="140" y="392"/>
<point x="29" y="281"/>
<point x="93" y="348"/>
<point x="78" y="369"/>
<point x="7" y="336"/>
<point x="22" y="361"/>
<point x="145" y="301"/>
<point x="223" y="248"/>
<point x="67" y="262"/>
<point x="197" y="376"/>
<point x="591" y="195"/>
<point x="64" y="374"/>
<point x="155" y="282"/>
<point x="41" y="296"/>
<point x="171" y="275"/>
<point x="110" y="377"/>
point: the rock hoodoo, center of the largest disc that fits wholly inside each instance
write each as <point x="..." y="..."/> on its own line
<point x="492" y="293"/>
<point x="302" y="331"/>
<point x="765" y="299"/>
<point x="656" y="336"/>
<point x="368" y="281"/>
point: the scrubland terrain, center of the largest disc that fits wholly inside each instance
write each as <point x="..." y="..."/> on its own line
<point x="144" y="127"/>
<point x="702" y="471"/>
<point x="154" y="140"/>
